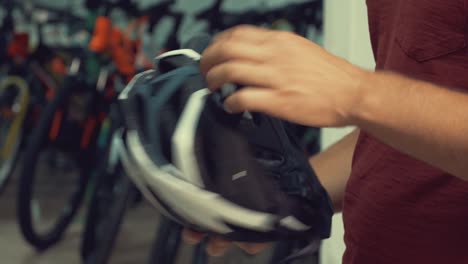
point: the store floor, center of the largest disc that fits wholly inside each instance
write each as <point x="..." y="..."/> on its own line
<point x="133" y="246"/>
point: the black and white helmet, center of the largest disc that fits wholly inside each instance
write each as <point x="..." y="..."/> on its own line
<point x="239" y="175"/>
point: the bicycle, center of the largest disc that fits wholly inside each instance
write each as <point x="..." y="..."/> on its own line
<point x="113" y="192"/>
<point x="101" y="231"/>
<point x="25" y="87"/>
<point x="61" y="146"/>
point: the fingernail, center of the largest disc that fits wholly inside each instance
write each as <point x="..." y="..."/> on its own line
<point x="191" y="237"/>
<point x="190" y="240"/>
<point x="252" y="249"/>
<point x="217" y="247"/>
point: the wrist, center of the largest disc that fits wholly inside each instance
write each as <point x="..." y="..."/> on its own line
<point x="368" y="98"/>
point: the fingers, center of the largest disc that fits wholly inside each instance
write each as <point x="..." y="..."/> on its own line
<point x="253" y="248"/>
<point x="255" y="99"/>
<point x="217" y="246"/>
<point x="220" y="52"/>
<point x="242" y="42"/>
<point x="192" y="237"/>
<point x="241" y="72"/>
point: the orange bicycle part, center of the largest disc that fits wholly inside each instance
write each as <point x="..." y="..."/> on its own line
<point x="7" y="113"/>
<point x="50" y="94"/>
<point x="58" y="66"/>
<point x="100" y="41"/>
<point x="49" y="84"/>
<point x="102" y="116"/>
<point x="123" y="53"/>
<point x="56" y="123"/>
<point x="117" y="43"/>
<point x="89" y="127"/>
<point x="19" y="46"/>
<point x="109" y="94"/>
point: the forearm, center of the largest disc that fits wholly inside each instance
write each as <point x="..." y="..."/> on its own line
<point x="422" y="120"/>
<point x="333" y="167"/>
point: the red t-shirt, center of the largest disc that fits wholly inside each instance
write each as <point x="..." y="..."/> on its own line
<point x="397" y="209"/>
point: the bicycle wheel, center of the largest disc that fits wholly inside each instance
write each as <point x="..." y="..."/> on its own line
<point x="14" y="104"/>
<point x="107" y="210"/>
<point x="167" y="242"/>
<point x="113" y="193"/>
<point x="41" y="151"/>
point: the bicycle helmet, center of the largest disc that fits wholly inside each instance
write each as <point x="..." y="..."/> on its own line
<point x="242" y="176"/>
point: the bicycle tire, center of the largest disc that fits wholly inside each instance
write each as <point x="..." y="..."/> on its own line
<point x="6" y="173"/>
<point x="105" y="179"/>
<point x="14" y="137"/>
<point x="101" y="178"/>
<point x="27" y="178"/>
<point x="109" y="231"/>
<point x="166" y="244"/>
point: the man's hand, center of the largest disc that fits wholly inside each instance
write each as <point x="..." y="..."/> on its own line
<point x="283" y="75"/>
<point x="217" y="246"/>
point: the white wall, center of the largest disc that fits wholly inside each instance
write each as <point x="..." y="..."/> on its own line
<point x="346" y="35"/>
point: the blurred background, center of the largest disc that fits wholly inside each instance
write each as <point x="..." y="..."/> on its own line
<point x="64" y="197"/>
